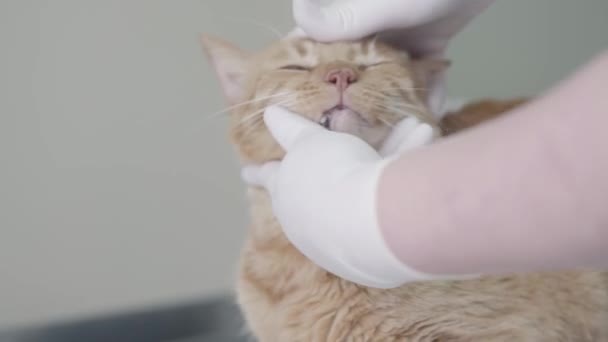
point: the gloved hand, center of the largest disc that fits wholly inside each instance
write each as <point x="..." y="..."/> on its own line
<point x="324" y="195"/>
<point x="421" y="27"/>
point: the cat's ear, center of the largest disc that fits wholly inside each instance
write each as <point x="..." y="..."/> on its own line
<point x="429" y="75"/>
<point x="230" y="64"/>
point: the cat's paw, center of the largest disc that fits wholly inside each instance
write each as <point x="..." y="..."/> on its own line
<point x="407" y="134"/>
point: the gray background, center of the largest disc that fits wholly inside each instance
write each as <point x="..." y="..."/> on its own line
<point x="116" y="189"/>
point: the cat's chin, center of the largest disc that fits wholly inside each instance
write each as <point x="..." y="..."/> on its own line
<point x="346" y="120"/>
<point x="342" y="119"/>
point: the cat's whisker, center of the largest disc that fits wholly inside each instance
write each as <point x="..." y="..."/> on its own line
<point x="258" y="113"/>
<point x="253" y="125"/>
<point x="257" y="100"/>
<point x="376" y="93"/>
<point x="296" y="98"/>
<point x="255" y="119"/>
<point x="254" y="100"/>
<point x="401" y="112"/>
<point x="401" y="88"/>
<point x="381" y="102"/>
<point x="405" y="106"/>
<point x="251" y="116"/>
<point x="406" y="89"/>
<point x="298" y="101"/>
<point x="268" y="27"/>
<point x="386" y="122"/>
<point x="381" y="92"/>
<point x="380" y="99"/>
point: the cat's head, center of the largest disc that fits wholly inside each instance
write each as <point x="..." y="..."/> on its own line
<point x="361" y="88"/>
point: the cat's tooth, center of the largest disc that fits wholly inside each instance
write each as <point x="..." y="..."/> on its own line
<point x="324" y="121"/>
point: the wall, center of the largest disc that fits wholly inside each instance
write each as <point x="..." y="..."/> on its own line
<point x="117" y="188"/>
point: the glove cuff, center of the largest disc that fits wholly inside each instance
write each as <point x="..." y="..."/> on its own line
<point x="366" y="257"/>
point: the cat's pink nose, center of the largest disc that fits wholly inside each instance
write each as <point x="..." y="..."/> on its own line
<point x="341" y="77"/>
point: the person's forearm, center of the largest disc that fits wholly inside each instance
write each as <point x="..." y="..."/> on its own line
<point x="527" y="192"/>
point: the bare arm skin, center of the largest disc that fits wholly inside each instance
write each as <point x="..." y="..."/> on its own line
<point x="525" y="192"/>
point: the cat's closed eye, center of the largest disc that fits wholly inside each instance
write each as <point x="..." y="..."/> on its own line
<point x="367" y="66"/>
<point x="295" y="67"/>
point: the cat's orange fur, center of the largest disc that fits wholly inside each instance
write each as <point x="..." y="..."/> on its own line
<point x="475" y="113"/>
<point x="287" y="298"/>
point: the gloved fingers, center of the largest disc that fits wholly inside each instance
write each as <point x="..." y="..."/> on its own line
<point x="341" y="20"/>
<point x="408" y="134"/>
<point x="354" y="19"/>
<point x="422" y="135"/>
<point x="296" y="32"/>
<point x="437" y="94"/>
<point x="287" y="127"/>
<point x="398" y="134"/>
<point x="264" y="175"/>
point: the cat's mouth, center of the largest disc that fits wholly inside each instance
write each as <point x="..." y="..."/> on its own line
<point x="339" y="117"/>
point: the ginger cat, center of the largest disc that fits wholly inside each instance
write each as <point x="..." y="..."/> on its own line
<point x="364" y="88"/>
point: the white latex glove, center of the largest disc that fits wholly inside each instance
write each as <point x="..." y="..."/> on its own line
<point x="422" y="27"/>
<point x="324" y="196"/>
